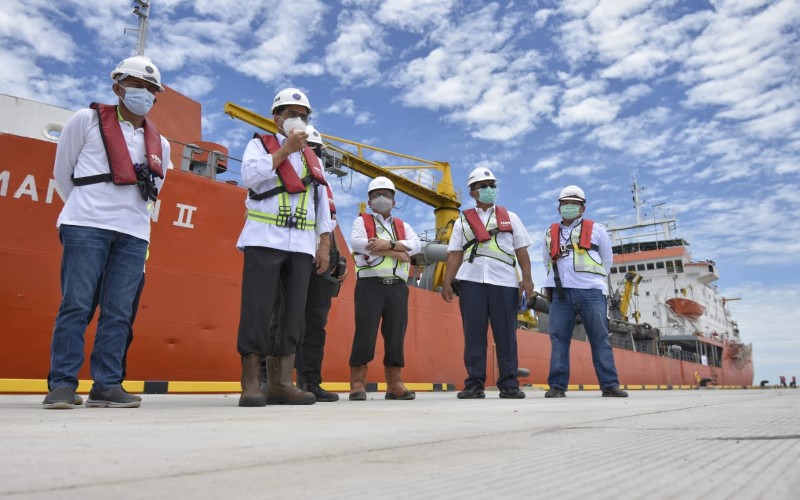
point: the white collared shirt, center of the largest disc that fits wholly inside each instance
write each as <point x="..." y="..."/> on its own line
<point x="566" y="270"/>
<point x="485" y="269"/>
<point x="104" y="205"/>
<point x="359" y="240"/>
<point x="258" y="175"/>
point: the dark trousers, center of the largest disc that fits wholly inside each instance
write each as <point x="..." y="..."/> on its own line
<point x="318" y="304"/>
<point x="268" y="272"/>
<point x="480" y="305"/>
<point x="129" y="341"/>
<point x="384" y="305"/>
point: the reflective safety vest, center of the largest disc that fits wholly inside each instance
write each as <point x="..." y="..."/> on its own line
<point x="483" y="239"/>
<point x="290" y="183"/>
<point x="123" y="171"/>
<point x="386" y="267"/>
<point x="579" y="245"/>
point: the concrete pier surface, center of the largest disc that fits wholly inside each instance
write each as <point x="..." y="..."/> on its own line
<point x="654" y="444"/>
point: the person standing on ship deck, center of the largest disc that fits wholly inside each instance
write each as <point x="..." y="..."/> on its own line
<point x="287" y="208"/>
<point x="382" y="246"/>
<point x="109" y="167"/>
<point x="485" y="246"/>
<point x="577" y="262"/>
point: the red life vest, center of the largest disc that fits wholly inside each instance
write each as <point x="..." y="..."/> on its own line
<point x="291" y="181"/>
<point x="584" y="243"/>
<point x="479" y="230"/>
<point x="369" y="225"/>
<point x="123" y="172"/>
<point x="330" y="200"/>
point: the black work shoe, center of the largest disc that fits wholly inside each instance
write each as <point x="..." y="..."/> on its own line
<point x="321" y="394"/>
<point x="77" y="401"/>
<point x="555" y="392"/>
<point x="112" y="398"/>
<point x="134" y="396"/>
<point x="614" y="392"/>
<point x="512" y="392"/>
<point x="60" y="398"/>
<point x="471" y="392"/>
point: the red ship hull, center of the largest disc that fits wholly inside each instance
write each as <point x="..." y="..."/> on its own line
<point x="187" y="324"/>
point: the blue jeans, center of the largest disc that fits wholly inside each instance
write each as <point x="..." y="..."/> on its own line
<point x="90" y="253"/>
<point x="591" y="304"/>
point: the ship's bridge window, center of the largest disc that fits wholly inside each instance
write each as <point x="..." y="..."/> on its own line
<point x="647" y="293"/>
<point x="678" y="266"/>
<point x="631" y="268"/>
<point x="640" y="267"/>
<point x="651" y="266"/>
<point x="613" y="270"/>
<point x="711" y="269"/>
<point x="670" y="267"/>
<point x="659" y="265"/>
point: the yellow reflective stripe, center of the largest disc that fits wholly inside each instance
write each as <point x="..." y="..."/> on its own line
<point x="277" y="220"/>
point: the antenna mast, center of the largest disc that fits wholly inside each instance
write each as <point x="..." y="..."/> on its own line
<point x="141" y="9"/>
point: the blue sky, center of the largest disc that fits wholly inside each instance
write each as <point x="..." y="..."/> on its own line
<point x="699" y="99"/>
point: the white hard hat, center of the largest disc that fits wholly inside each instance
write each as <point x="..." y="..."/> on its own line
<point x="572" y="193"/>
<point x="313" y="135"/>
<point x="139" y="67"/>
<point x="290" y="96"/>
<point x="380" y="183"/>
<point x="480" y="174"/>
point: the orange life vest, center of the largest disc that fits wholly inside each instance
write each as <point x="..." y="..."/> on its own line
<point x="292" y="183"/>
<point x="123" y="171"/>
<point x="369" y="225"/>
<point x="584" y="243"/>
<point x="479" y="230"/>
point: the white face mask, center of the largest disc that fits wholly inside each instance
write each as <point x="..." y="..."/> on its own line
<point x="138" y="101"/>
<point x="381" y="204"/>
<point x="295" y="123"/>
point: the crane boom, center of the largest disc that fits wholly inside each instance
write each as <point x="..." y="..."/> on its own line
<point x="445" y="199"/>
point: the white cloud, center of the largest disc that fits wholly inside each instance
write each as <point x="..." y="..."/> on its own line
<point x="356" y="53"/>
<point x="478" y="77"/>
<point x="416" y="16"/>
<point x="194" y="85"/>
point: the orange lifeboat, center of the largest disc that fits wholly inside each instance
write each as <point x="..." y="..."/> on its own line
<point x="686" y="308"/>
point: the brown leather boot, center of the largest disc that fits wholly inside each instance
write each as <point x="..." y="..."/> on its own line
<point x="394" y="385"/>
<point x="280" y="387"/>
<point x="358" y="383"/>
<point x="251" y="392"/>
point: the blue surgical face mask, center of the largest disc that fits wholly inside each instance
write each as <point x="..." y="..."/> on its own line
<point x="138" y="101"/>
<point x="569" y="212"/>
<point x="487" y="195"/>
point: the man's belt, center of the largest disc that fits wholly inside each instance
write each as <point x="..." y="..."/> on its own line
<point x="385" y="281"/>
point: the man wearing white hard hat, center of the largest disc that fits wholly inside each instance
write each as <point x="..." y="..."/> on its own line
<point x="321" y="290"/>
<point x="287" y="212"/>
<point x="577" y="255"/>
<point x="110" y="165"/>
<point x="486" y="245"/>
<point x="382" y="245"/>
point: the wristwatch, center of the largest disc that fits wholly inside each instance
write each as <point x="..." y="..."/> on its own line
<point x="393" y="244"/>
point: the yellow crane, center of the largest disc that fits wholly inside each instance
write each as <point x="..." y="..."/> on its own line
<point x="631" y="289"/>
<point x="441" y="195"/>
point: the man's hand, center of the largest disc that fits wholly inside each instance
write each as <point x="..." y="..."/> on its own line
<point x="447" y="292"/>
<point x="295" y="142"/>
<point x="526" y="285"/>
<point x="378" y="244"/>
<point x="323" y="255"/>
<point x="322" y="259"/>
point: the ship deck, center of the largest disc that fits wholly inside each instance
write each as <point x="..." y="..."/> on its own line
<point x="654" y="444"/>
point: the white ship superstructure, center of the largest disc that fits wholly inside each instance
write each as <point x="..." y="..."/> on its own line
<point x="669" y="290"/>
